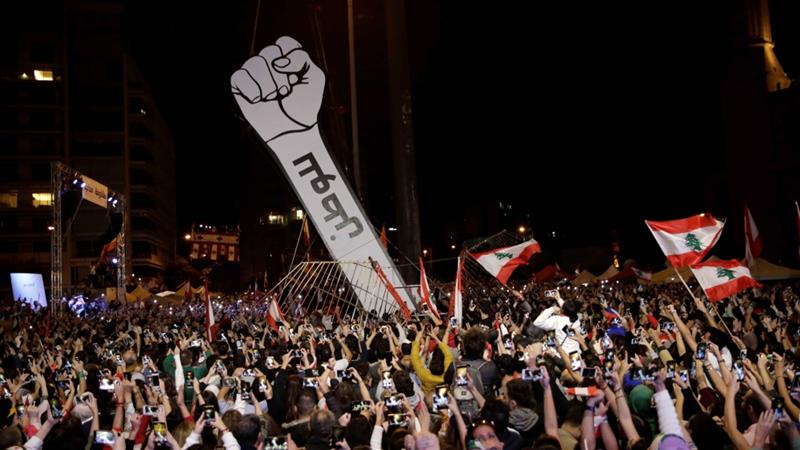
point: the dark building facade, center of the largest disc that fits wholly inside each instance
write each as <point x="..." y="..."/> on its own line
<point x="70" y="92"/>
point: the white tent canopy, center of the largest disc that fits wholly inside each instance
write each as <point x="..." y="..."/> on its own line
<point x="610" y="272"/>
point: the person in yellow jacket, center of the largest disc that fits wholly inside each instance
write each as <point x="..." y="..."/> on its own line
<point x="433" y="375"/>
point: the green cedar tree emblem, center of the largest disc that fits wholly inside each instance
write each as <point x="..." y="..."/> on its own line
<point x="723" y="272"/>
<point x="693" y="243"/>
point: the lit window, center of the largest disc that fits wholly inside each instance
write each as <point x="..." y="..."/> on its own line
<point x="276" y="219"/>
<point x="42" y="199"/>
<point x="298" y="214"/>
<point x="43" y="75"/>
<point x="8" y="199"/>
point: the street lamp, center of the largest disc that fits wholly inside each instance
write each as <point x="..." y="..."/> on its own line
<point x="187" y="236"/>
<point x="521" y="230"/>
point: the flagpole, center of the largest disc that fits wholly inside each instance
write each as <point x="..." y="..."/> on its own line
<point x="695" y="299"/>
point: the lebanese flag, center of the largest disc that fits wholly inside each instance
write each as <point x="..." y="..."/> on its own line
<point x="797" y="208"/>
<point x="642" y="275"/>
<point x="274" y="314"/>
<point x="686" y="241"/>
<point x="590" y="391"/>
<point x="383" y="238"/>
<point x="425" y="290"/>
<point x="392" y="291"/>
<point x="501" y="262"/>
<point x="752" y="241"/>
<point x="456" y="308"/>
<point x="108" y="248"/>
<point x="211" y="326"/>
<point x="720" y="279"/>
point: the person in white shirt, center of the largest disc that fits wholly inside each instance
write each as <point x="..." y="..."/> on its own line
<point x="559" y="319"/>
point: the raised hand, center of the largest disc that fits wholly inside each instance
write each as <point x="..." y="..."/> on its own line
<point x="279" y="90"/>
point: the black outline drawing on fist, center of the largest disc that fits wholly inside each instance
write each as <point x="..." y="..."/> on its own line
<point x="279" y="90"/>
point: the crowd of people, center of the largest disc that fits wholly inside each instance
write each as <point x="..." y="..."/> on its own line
<point x="605" y="365"/>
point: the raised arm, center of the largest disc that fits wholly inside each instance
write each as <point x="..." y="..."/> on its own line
<point x="780" y="383"/>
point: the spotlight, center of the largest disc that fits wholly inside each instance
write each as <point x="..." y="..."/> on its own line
<point x="110" y="197"/>
<point x="83" y="184"/>
<point x="114" y="260"/>
<point x="75" y="181"/>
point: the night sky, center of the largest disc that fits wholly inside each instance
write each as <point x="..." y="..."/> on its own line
<point x="592" y="117"/>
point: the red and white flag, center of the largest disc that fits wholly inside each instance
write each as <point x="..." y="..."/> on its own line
<point x="392" y="291"/>
<point x="501" y="262"/>
<point x="456" y="308"/>
<point x="797" y="208"/>
<point x="720" y="279"/>
<point x="274" y="314"/>
<point x="425" y="290"/>
<point x="752" y="240"/>
<point x="590" y="391"/>
<point x="642" y="275"/>
<point x="211" y="327"/>
<point x="686" y="241"/>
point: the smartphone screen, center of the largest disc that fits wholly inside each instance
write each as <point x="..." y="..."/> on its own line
<point x="104" y="437"/>
<point x="397" y="419"/>
<point x="394" y="403"/>
<point x="338" y="434"/>
<point x="670" y="369"/>
<point x="56" y="408"/>
<point x="738" y="370"/>
<point x="440" y="397"/>
<point x="550" y="339"/>
<point x="387" y="380"/>
<point x="160" y="430"/>
<point x="701" y="351"/>
<point x="208" y="413"/>
<point x="777" y="407"/>
<point x="461" y="375"/>
<point x="575" y="360"/>
<point x="359" y="406"/>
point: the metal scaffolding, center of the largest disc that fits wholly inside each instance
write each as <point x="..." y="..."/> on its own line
<point x="323" y="285"/>
<point x="60" y="177"/>
<point x="57" y="172"/>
